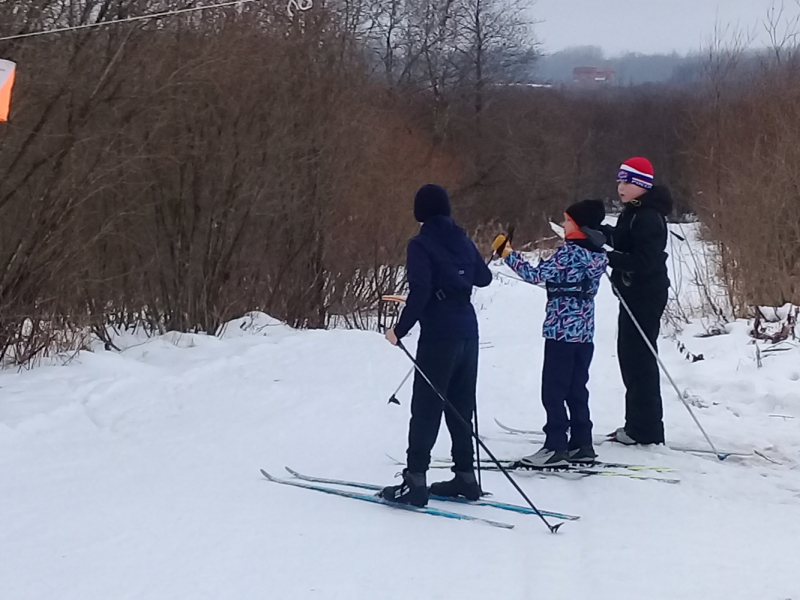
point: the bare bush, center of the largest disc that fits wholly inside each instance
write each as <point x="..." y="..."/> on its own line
<point x="180" y="172"/>
<point x="746" y="177"/>
<point x="177" y="175"/>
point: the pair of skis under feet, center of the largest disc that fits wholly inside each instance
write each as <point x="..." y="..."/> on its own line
<point x="320" y="484"/>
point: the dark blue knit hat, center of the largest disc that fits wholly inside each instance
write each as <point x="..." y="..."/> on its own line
<point x="431" y="200"/>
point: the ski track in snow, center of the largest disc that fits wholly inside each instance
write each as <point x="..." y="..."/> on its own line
<point x="135" y="475"/>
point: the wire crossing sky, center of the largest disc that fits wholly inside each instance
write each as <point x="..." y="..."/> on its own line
<point x="292" y="7"/>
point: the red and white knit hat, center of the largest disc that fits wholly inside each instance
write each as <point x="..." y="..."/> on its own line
<point x="638" y="171"/>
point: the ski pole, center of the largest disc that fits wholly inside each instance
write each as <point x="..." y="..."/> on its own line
<point x="478" y="447"/>
<point x="680" y="237"/>
<point x="393" y="399"/>
<point x="663" y="368"/>
<point x="449" y="406"/>
<point x="476" y="435"/>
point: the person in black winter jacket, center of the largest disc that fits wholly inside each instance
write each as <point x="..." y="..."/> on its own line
<point x="442" y="267"/>
<point x="639" y="275"/>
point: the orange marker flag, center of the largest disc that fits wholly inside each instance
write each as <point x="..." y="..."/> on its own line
<point x="7" y="71"/>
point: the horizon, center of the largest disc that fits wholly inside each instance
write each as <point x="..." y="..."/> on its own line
<point x="685" y="27"/>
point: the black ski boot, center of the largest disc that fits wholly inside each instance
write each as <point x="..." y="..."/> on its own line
<point x="412" y="491"/>
<point x="463" y="485"/>
<point x="583" y="455"/>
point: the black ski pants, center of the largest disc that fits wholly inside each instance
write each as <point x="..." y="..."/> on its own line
<point x="644" y="413"/>
<point x="452" y="366"/>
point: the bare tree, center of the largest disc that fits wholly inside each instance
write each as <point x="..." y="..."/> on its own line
<point x="781" y="29"/>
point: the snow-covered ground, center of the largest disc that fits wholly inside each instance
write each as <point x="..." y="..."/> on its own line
<point x="135" y="475"/>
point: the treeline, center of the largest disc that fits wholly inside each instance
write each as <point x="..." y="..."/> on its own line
<point x="176" y="173"/>
<point x="630" y="68"/>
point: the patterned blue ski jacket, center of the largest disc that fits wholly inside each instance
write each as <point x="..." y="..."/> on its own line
<point x="568" y="319"/>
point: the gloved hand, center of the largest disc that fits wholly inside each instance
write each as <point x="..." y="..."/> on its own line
<point x="501" y="246"/>
<point x="597" y="238"/>
<point x="607" y="231"/>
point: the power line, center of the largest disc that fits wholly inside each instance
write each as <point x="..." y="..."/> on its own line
<point x="298" y="4"/>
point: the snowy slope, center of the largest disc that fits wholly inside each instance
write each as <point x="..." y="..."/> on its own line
<point x="134" y="475"/>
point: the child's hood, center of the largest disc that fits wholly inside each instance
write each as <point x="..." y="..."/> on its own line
<point x="660" y="198"/>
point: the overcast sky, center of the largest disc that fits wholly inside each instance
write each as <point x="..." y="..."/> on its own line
<point x="648" y="26"/>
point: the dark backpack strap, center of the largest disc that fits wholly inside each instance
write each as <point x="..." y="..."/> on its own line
<point x="561" y="289"/>
<point x="452" y="295"/>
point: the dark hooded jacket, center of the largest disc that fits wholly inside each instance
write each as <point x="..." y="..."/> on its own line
<point x="639" y="239"/>
<point x="442" y="266"/>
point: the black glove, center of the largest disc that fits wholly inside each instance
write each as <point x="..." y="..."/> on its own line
<point x="607" y="231"/>
<point x="597" y="238"/>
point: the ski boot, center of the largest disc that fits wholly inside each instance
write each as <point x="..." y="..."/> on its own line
<point x="546" y="459"/>
<point x="621" y="437"/>
<point x="412" y="491"/>
<point x="582" y="456"/>
<point x="462" y="485"/>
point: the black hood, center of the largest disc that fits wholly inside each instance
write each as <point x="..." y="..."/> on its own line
<point x="657" y="197"/>
<point x="445" y="231"/>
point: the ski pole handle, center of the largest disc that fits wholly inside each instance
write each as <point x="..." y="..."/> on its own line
<point x="506" y="242"/>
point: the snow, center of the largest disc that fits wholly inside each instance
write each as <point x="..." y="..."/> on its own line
<point x="135" y="475"/>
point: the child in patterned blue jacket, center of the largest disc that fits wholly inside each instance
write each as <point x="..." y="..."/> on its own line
<point x="572" y="276"/>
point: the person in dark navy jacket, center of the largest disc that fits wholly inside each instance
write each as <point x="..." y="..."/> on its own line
<point x="442" y="267"/>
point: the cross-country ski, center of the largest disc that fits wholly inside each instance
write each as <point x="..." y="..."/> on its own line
<point x="482" y="502"/>
<point x="604" y="438"/>
<point x="520" y="467"/>
<point x="437" y="512"/>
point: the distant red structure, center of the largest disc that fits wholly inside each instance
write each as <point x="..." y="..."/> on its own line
<point x="592" y="76"/>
